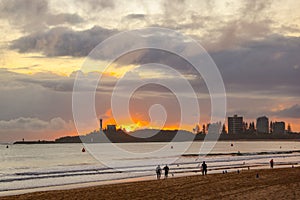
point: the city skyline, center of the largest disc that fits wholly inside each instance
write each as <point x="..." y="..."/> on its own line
<point x="262" y="125"/>
<point x="254" y="44"/>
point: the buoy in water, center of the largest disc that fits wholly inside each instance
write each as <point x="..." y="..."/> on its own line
<point x="83" y="150"/>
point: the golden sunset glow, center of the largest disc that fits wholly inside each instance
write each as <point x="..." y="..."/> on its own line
<point x="45" y="44"/>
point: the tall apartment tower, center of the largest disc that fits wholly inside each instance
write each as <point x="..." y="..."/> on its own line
<point x="262" y="124"/>
<point x="101" y="129"/>
<point x="279" y="127"/>
<point x="235" y="124"/>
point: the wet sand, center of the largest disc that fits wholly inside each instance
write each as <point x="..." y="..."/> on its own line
<point x="281" y="183"/>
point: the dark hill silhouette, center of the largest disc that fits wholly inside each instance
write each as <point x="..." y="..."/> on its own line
<point x="137" y="136"/>
<point x="153" y="135"/>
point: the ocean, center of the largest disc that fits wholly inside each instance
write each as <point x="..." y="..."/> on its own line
<point x="32" y="166"/>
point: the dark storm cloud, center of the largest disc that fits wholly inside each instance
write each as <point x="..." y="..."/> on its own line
<point x="105" y="86"/>
<point x="24" y="99"/>
<point x="251" y="60"/>
<point x="88" y="82"/>
<point x="145" y="56"/>
<point x="291" y="112"/>
<point x="31" y="15"/>
<point x="62" y="85"/>
<point x="264" y="67"/>
<point x="62" y="41"/>
<point x="136" y="16"/>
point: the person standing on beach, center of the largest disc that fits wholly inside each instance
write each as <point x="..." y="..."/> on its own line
<point x="204" y="168"/>
<point x="158" y="172"/>
<point x="271" y="163"/>
<point x="166" y="169"/>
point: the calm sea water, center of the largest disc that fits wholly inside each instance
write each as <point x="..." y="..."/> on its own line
<point x="42" y="165"/>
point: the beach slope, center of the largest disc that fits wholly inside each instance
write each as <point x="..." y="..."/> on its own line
<point x="271" y="184"/>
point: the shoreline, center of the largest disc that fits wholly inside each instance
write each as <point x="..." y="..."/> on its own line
<point x="92" y="183"/>
<point x="134" y="180"/>
<point x="278" y="181"/>
<point x="175" y="172"/>
<point x="196" y="140"/>
<point x="72" y="186"/>
<point x="190" y="171"/>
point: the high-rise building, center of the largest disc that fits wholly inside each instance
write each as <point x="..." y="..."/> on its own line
<point x="235" y="124"/>
<point x="101" y="127"/>
<point x="278" y="127"/>
<point x="111" y="128"/>
<point x="262" y="124"/>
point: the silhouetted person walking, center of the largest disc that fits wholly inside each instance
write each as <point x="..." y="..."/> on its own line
<point x="166" y="169"/>
<point x="158" y="172"/>
<point x="271" y="163"/>
<point x="204" y="168"/>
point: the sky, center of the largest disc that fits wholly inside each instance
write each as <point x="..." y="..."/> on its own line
<point x="43" y="45"/>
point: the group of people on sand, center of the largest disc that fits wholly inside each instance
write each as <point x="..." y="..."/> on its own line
<point x="166" y="169"/>
<point x="203" y="169"/>
<point x="159" y="170"/>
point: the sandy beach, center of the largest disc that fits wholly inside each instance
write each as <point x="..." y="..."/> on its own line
<point x="281" y="183"/>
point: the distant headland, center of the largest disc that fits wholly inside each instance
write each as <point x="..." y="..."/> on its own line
<point x="120" y="136"/>
<point x="238" y="129"/>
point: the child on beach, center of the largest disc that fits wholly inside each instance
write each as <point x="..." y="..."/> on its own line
<point x="204" y="168"/>
<point x="166" y="168"/>
<point x="271" y="163"/>
<point x="158" y="172"/>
